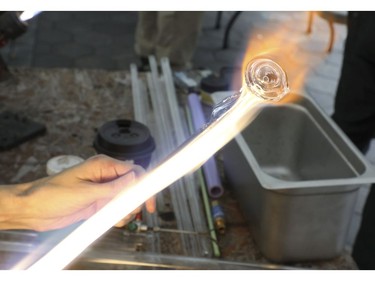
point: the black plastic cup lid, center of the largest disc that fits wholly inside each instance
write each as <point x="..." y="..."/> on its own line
<point x="124" y="139"/>
<point x="213" y="83"/>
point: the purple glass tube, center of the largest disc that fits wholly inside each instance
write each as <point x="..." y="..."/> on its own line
<point x="214" y="187"/>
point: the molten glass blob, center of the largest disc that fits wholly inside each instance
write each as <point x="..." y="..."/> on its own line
<point x="266" y="79"/>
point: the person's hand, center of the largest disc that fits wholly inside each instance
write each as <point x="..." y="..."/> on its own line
<point x="72" y="195"/>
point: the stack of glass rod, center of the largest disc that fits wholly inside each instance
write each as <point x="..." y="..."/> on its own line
<point x="169" y="131"/>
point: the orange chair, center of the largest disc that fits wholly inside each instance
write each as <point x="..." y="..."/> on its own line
<point x="331" y="17"/>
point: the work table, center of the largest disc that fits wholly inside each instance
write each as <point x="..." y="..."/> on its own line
<point x="73" y="104"/>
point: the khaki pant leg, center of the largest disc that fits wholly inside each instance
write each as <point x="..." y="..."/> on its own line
<point x="146" y="33"/>
<point x="177" y="36"/>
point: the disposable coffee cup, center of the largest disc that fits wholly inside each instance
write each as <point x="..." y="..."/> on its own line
<point x="125" y="140"/>
<point x="60" y="163"/>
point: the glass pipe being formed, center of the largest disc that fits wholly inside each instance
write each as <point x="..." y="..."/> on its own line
<point x="264" y="82"/>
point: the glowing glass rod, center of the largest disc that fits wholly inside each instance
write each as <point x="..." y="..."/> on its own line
<point x="264" y="81"/>
<point x="27" y="15"/>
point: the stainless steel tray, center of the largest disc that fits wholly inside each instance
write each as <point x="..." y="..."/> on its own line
<point x="296" y="176"/>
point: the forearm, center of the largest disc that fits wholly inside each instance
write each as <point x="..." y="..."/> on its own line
<point x="11" y="207"/>
<point x="68" y="197"/>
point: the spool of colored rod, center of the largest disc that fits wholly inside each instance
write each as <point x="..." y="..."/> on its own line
<point x="218" y="216"/>
<point x="214" y="187"/>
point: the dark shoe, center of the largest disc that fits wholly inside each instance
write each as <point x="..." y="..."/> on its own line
<point x="145" y="66"/>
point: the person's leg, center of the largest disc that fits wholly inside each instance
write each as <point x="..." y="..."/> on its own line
<point x="355" y="114"/>
<point x="364" y="247"/>
<point x="355" y="97"/>
<point x="145" y="34"/>
<point x="177" y="36"/>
